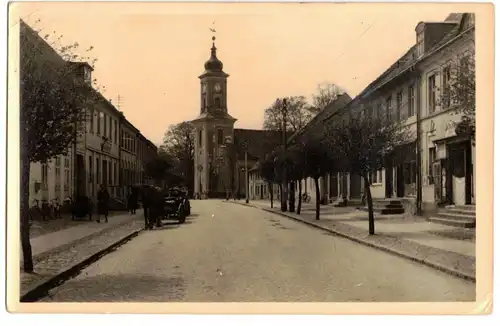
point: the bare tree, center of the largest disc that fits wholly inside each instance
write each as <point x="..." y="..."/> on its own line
<point x="325" y="95"/>
<point x="298" y="114"/>
<point x="53" y="102"/>
<point x="459" y="88"/>
<point x="179" y="143"/>
<point x="361" y="144"/>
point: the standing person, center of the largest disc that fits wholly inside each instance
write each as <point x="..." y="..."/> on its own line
<point x="146" y="204"/>
<point x="102" y="203"/>
<point x="132" y="200"/>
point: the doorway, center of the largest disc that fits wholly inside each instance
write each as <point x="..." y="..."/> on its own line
<point x="400" y="181"/>
<point x="460" y="166"/>
<point x="80" y="176"/>
<point x="388" y="181"/>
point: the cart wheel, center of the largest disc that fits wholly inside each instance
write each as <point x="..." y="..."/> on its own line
<point x="182" y="216"/>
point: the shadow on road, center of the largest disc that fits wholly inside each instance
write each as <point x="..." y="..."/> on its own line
<point x="109" y="288"/>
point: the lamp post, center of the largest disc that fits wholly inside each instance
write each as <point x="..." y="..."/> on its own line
<point x="284" y="180"/>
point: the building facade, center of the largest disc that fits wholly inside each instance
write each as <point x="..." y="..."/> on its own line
<point x="223" y="154"/>
<point x="412" y="91"/>
<point x="105" y="152"/>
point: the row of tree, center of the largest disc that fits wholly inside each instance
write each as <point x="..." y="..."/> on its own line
<point x="357" y="145"/>
<point x="354" y="142"/>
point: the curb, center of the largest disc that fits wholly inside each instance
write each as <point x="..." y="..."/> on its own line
<point x="41" y="256"/>
<point x="439" y="267"/>
<point x="43" y="289"/>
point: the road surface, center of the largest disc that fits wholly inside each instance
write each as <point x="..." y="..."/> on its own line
<point x="226" y="252"/>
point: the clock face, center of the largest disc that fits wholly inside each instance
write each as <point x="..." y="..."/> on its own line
<point x="217" y="88"/>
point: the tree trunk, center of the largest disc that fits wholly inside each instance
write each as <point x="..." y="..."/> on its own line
<point x="318" y="200"/>
<point x="25" y="215"/>
<point x="369" y="200"/>
<point x="270" y="185"/>
<point x="299" y="205"/>
<point x="292" y="197"/>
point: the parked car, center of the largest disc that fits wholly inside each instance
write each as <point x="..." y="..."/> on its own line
<point x="175" y="204"/>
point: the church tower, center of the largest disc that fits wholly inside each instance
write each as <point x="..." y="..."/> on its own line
<point x="214" y="129"/>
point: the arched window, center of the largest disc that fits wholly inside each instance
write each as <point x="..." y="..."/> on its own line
<point x="217" y="102"/>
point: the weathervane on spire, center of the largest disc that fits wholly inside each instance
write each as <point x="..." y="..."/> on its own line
<point x="212" y="29"/>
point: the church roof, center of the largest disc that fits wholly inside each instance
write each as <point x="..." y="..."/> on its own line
<point x="260" y="142"/>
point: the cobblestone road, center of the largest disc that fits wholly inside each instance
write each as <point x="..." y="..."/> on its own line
<point x="234" y="253"/>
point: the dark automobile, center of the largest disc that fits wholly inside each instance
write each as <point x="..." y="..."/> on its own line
<point x="175" y="205"/>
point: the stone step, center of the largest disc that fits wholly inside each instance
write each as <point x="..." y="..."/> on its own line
<point x="379" y="205"/>
<point x="459" y="211"/>
<point x="454" y="216"/>
<point x="451" y="222"/>
<point x="388" y="201"/>
<point x="462" y="207"/>
<point x="384" y="210"/>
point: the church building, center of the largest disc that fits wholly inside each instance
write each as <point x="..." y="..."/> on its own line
<point x="223" y="153"/>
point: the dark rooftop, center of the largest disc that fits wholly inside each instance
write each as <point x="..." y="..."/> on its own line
<point x="260" y="142"/>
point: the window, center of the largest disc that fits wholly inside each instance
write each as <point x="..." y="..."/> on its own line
<point x="58" y="161"/>
<point x="58" y="173"/>
<point x="432" y="93"/>
<point x="446" y="86"/>
<point x="105" y="120"/>
<point x="116" y="131"/>
<point x="116" y="173"/>
<point x="217" y="102"/>
<point x="90" y="168"/>
<point x="220" y="136"/>
<point x="200" y="139"/>
<point x="92" y="120"/>
<point x="378" y="112"/>
<point x="98" y="131"/>
<point x="66" y="162"/>
<point x="110" y="129"/>
<point x="45" y="173"/>
<point x="411" y="101"/>
<point x="420" y="43"/>
<point x="399" y="104"/>
<point x="388" y="109"/>
<point x="97" y="171"/>
<point x="432" y="158"/>
<point x="66" y="179"/>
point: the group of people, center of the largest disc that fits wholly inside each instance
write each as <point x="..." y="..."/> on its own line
<point x="152" y="202"/>
<point x="103" y="199"/>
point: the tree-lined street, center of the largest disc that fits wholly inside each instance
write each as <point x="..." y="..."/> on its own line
<point x="228" y="253"/>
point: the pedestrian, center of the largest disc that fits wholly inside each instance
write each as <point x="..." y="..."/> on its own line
<point x="146" y="200"/>
<point x="132" y="200"/>
<point x="102" y="203"/>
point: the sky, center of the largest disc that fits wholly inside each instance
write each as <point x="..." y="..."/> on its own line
<point x="151" y="54"/>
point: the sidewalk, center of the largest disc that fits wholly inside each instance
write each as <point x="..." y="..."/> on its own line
<point x="61" y="254"/>
<point x="49" y="243"/>
<point x="446" y="248"/>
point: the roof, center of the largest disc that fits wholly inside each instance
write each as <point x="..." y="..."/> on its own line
<point x="409" y="59"/>
<point x="260" y="142"/>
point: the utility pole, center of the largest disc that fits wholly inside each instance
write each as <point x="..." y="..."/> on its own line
<point x="419" y="147"/>
<point x="284" y="186"/>
<point x="246" y="174"/>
